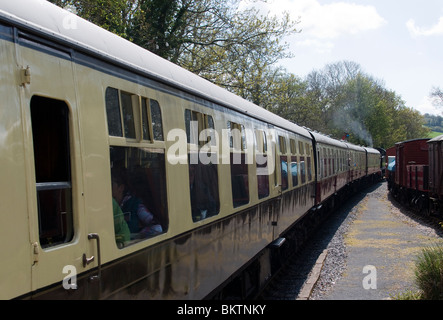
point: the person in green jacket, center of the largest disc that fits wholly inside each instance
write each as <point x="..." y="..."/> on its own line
<point x="121" y="228"/>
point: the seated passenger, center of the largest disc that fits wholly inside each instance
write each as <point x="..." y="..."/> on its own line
<point x="141" y="221"/>
<point x="122" y="233"/>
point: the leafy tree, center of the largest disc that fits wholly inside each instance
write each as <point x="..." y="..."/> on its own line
<point x="356" y="103"/>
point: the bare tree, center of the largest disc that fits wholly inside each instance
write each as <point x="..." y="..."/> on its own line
<point x="437" y="96"/>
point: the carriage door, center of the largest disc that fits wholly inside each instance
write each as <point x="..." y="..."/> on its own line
<point x="53" y="170"/>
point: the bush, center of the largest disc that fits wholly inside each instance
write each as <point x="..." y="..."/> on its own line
<point x="429" y="272"/>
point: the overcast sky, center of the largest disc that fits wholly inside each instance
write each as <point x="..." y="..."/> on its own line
<point x="397" y="41"/>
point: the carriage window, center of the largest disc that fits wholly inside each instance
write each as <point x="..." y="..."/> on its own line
<point x="113" y="113"/>
<point x="50" y="132"/>
<point x="262" y="176"/>
<point x="120" y="112"/>
<point x="151" y="114"/>
<point x="294" y="171"/>
<point x="198" y="124"/>
<point x="300" y="147"/>
<point x="302" y="169"/>
<point x="203" y="187"/>
<point x="283" y="163"/>
<point x="128" y="115"/>
<point x="156" y="117"/>
<point x="145" y="120"/>
<point x="239" y="164"/>
<point x="293" y="146"/>
<point x="325" y="163"/>
<point x="237" y="136"/>
<point x="138" y="193"/>
<point x="284" y="172"/>
<point x="261" y="161"/>
<point x="309" y="168"/>
<point x="203" y="173"/>
<point x="282" y="144"/>
<point x="308" y="161"/>
<point x="239" y="179"/>
<point x="115" y="100"/>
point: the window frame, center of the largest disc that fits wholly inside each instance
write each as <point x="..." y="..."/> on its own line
<point x="208" y="145"/>
<point x="46" y="181"/>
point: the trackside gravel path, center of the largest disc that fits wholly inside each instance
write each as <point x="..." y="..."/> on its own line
<point x="381" y="242"/>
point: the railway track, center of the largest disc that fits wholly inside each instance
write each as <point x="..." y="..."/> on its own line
<point x="297" y="277"/>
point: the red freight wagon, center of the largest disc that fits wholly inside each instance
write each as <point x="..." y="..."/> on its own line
<point x="409" y="153"/>
<point x="417" y="177"/>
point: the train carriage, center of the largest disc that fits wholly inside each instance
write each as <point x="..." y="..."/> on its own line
<point x="411" y="156"/>
<point x="89" y="118"/>
<point x="412" y="172"/>
<point x="332" y="166"/>
<point x="356" y="163"/>
<point x="373" y="163"/>
<point x="125" y="176"/>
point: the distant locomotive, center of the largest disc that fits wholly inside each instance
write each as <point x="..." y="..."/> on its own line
<point x="418" y="174"/>
<point x="127" y="177"/>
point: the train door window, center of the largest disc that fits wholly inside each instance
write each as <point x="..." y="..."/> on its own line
<point x="50" y="132"/>
<point x="261" y="161"/>
<point x="203" y="175"/>
<point x="139" y="193"/>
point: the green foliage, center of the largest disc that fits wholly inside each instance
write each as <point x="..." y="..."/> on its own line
<point x="434" y="122"/>
<point x="429" y="272"/>
<point x="408" y="295"/>
<point x="355" y="103"/>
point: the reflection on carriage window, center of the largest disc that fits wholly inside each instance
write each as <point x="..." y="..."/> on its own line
<point x="239" y="179"/>
<point x="262" y="176"/>
<point x="294" y="171"/>
<point x="139" y="189"/>
<point x="284" y="172"/>
<point x="203" y="187"/>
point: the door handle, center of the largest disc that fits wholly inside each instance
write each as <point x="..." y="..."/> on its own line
<point x="86" y="261"/>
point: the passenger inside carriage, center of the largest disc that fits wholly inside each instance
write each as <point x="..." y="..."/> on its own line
<point x="141" y="221"/>
<point x="121" y="229"/>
